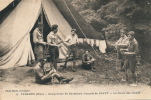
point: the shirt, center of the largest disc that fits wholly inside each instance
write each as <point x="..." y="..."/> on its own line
<point x="52" y="38"/>
<point x="39" y="72"/>
<point x="72" y="39"/>
<point x="37" y="36"/>
<point x="86" y="58"/>
<point x="133" y="46"/>
<point x="122" y="40"/>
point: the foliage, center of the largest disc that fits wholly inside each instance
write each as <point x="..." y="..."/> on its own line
<point x="109" y="16"/>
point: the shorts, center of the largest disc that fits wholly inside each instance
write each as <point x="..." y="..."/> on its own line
<point x="44" y="81"/>
<point x="131" y="63"/>
<point x="119" y="55"/>
<point x="54" y="53"/>
<point x="39" y="51"/>
<point x="87" y="66"/>
<point x="73" y="50"/>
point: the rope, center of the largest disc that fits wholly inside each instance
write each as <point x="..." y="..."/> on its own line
<point x="146" y="63"/>
<point x="90" y="45"/>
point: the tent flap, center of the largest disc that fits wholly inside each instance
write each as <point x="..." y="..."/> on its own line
<point x="15" y="46"/>
<point x="15" y="36"/>
<point x="4" y="4"/>
<point x="54" y="16"/>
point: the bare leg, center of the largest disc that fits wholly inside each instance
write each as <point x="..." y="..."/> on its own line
<point x="65" y="65"/>
<point x="73" y="67"/>
<point x="55" y="64"/>
<point x="134" y="77"/>
<point x="122" y="64"/>
<point x="58" y="76"/>
<point x="124" y="78"/>
<point x="92" y="66"/>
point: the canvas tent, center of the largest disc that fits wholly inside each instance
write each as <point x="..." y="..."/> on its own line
<point x="4" y="4"/>
<point x="15" y="46"/>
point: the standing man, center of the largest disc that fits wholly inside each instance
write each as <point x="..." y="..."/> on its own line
<point x="121" y="43"/>
<point x="43" y="76"/>
<point x="54" y="43"/>
<point x="38" y="43"/>
<point x="71" y="41"/>
<point x="131" y="59"/>
<point x="88" y="61"/>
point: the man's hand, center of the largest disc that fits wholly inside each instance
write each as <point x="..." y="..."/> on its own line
<point x="88" y="63"/>
<point x="50" y="44"/>
<point x="59" y="45"/>
<point x="54" y="70"/>
<point x="123" y="50"/>
<point x="92" y="60"/>
<point x="44" y="43"/>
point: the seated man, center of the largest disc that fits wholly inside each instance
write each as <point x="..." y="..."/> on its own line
<point x="43" y="76"/>
<point x="88" y="61"/>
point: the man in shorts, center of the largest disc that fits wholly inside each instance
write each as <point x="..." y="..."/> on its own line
<point x="71" y="41"/>
<point x="54" y="44"/>
<point x="130" y="61"/>
<point x="121" y="43"/>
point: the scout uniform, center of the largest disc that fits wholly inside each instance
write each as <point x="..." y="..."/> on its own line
<point x="88" y="61"/>
<point x="54" y="50"/>
<point x="38" y="47"/>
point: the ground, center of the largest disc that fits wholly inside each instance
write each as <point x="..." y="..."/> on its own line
<point x="105" y="74"/>
<point x="106" y="77"/>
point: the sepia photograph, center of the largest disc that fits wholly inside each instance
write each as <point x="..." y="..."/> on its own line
<point x="75" y="49"/>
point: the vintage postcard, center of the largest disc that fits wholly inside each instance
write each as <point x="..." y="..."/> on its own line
<point x="75" y="49"/>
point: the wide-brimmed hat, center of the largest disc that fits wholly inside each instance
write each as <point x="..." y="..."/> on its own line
<point x="132" y="33"/>
<point x="73" y="30"/>
<point x="40" y="25"/>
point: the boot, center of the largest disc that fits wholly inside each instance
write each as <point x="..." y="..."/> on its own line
<point x="73" y="70"/>
<point x="93" y="68"/>
<point x="73" y="67"/>
<point x="66" y="80"/>
<point x="122" y="67"/>
<point x="59" y="78"/>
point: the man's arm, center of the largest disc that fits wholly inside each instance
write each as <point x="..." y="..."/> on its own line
<point x="47" y="76"/>
<point x="83" y="59"/>
<point x="136" y="48"/>
<point x="116" y="43"/>
<point x="124" y="50"/>
<point x="35" y="39"/>
<point x="42" y="76"/>
<point x="92" y="58"/>
<point x="77" y="39"/>
<point x="50" y="41"/>
<point x="121" y="44"/>
<point x="67" y="41"/>
<point x="126" y="41"/>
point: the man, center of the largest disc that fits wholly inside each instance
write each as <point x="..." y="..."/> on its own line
<point x="121" y="43"/>
<point x="54" y="43"/>
<point x="43" y="76"/>
<point x="130" y="61"/>
<point x="88" y="61"/>
<point x="71" y="42"/>
<point x="38" y="43"/>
